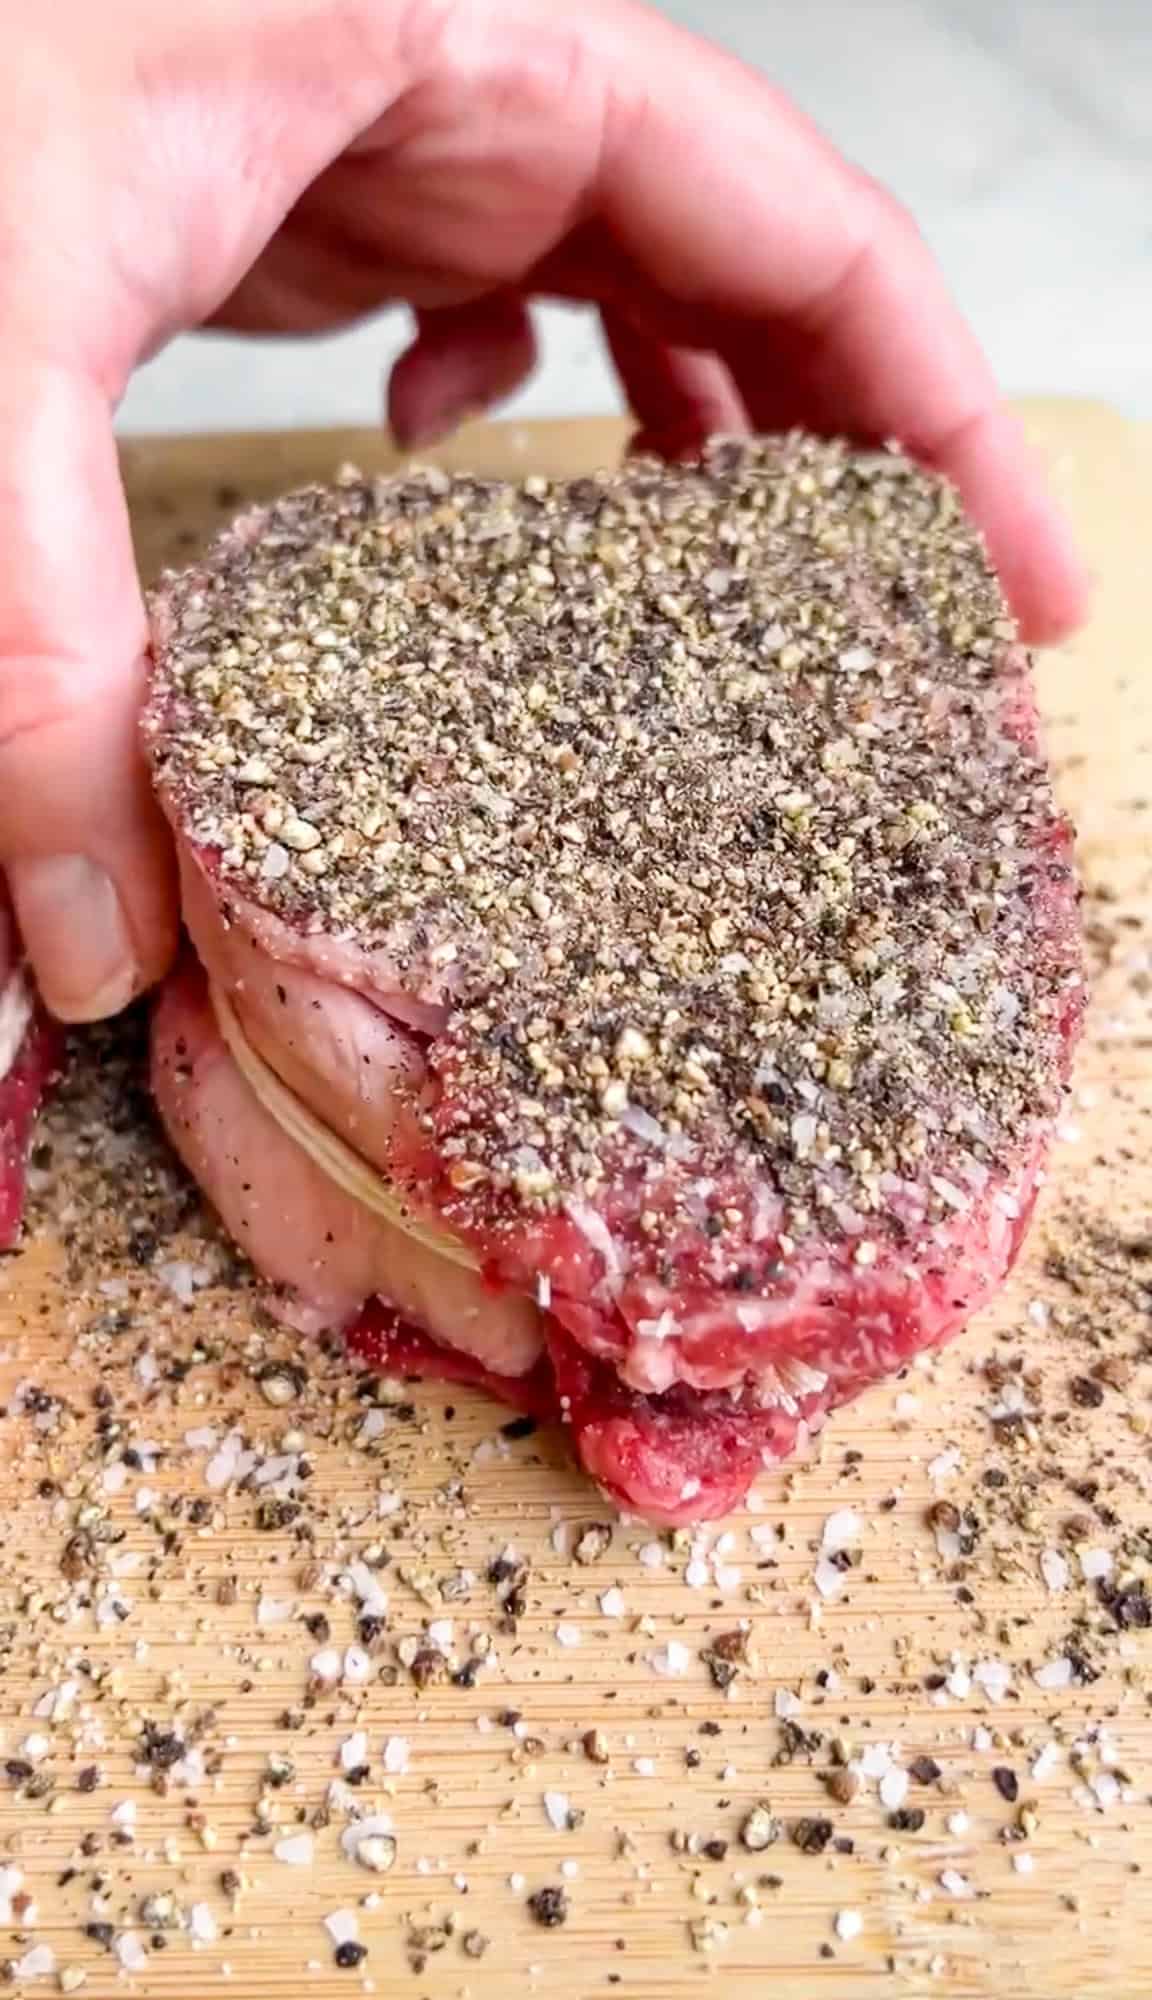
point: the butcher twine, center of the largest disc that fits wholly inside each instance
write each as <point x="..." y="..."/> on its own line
<point x="343" y="1167"/>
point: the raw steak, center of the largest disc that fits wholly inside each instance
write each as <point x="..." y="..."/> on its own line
<point x="638" y="956"/>
<point x="29" y="1046"/>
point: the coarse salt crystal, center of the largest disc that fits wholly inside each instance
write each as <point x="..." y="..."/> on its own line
<point x="397" y="1756"/>
<point x="612" y="1603"/>
<point x="829" y="1580"/>
<point x="125" y="1814"/>
<point x="945" y="1464"/>
<point x="644" y="1767"/>
<point x="357" y="1666"/>
<point x="343" y="1927"/>
<point x="115" y="1478"/>
<point x="568" y="1635"/>
<point x="849" y="1924"/>
<point x="130" y="1952"/>
<point x="672" y="1660"/>
<point x="1024" y="1863"/>
<point x="441" y="1633"/>
<point x="1046" y="1761"/>
<point x="39" y="1963"/>
<point x="1095" y="1563"/>
<point x="202" y="1924"/>
<point x="841" y="1529"/>
<point x="651" y="1555"/>
<point x="273" y="1610"/>
<point x="1054" y="1673"/>
<point x="296" y="1851"/>
<point x="894" y="1788"/>
<point x="959" y="1682"/>
<point x="374" y="1826"/>
<point x="354" y="1751"/>
<point x="1054" y="1569"/>
<point x="785" y="1703"/>
<point x="994" y="1677"/>
<point x="958" y="1824"/>
<point x="727" y="1577"/>
<point x="557" y="1806"/>
<point x="697" y="1575"/>
<point x="1105" y="1789"/>
<point x="874" y="1760"/>
<point x="953" y="1883"/>
<point x="326" y="1665"/>
<point x="57" y="1703"/>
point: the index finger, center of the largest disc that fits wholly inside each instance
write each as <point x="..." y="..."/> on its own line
<point x="733" y="205"/>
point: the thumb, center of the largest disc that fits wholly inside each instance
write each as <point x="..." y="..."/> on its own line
<point x="81" y="839"/>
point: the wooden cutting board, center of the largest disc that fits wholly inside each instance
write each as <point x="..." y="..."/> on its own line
<point x="1032" y="1869"/>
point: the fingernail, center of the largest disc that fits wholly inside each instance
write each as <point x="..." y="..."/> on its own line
<point x="75" y="933"/>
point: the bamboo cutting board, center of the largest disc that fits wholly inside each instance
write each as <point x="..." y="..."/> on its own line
<point x="952" y="1747"/>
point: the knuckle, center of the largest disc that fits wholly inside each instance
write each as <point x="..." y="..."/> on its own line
<point x="37" y="695"/>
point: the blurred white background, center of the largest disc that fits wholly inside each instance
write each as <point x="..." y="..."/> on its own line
<point x="1018" y="131"/>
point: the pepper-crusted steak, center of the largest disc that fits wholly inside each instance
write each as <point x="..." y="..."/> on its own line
<point x="637" y="941"/>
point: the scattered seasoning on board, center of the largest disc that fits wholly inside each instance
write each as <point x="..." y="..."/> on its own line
<point x="113" y="1383"/>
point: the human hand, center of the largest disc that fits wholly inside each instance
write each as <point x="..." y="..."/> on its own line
<point x="291" y="165"/>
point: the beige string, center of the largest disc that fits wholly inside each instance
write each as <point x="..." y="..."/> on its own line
<point x="337" y="1160"/>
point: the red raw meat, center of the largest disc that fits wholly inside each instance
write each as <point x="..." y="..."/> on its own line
<point x="640" y="946"/>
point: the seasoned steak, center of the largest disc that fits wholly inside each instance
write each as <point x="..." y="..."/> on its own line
<point x="638" y="954"/>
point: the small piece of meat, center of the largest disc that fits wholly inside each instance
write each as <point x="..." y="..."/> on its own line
<point x="638" y="956"/>
<point x="29" y="1058"/>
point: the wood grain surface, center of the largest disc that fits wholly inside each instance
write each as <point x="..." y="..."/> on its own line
<point x="472" y="1823"/>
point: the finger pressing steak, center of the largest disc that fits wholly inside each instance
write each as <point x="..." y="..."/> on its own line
<point x="29" y="1047"/>
<point x="634" y="956"/>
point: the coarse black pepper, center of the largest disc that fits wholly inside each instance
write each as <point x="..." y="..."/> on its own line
<point x="680" y="743"/>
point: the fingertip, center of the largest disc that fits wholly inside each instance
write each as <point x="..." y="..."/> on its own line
<point x="1031" y="543"/>
<point x="463" y="359"/>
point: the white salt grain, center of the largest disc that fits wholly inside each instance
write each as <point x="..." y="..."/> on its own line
<point x="354" y="1751"/>
<point x="954" y="1884"/>
<point x="397" y="1756"/>
<point x="672" y="1660"/>
<point x="1046" y="1762"/>
<point x="557" y="1806"/>
<point x="612" y="1603"/>
<point x="849" y="1924"/>
<point x="841" y="1529"/>
<point x="894" y="1789"/>
<point x="1054" y="1570"/>
<point x="343" y="1927"/>
<point x="202" y="1924"/>
<point x="131" y="1953"/>
<point x="1054" y="1673"/>
<point x="1095" y="1563"/>
<point x="296" y="1851"/>
<point x="568" y="1635"/>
